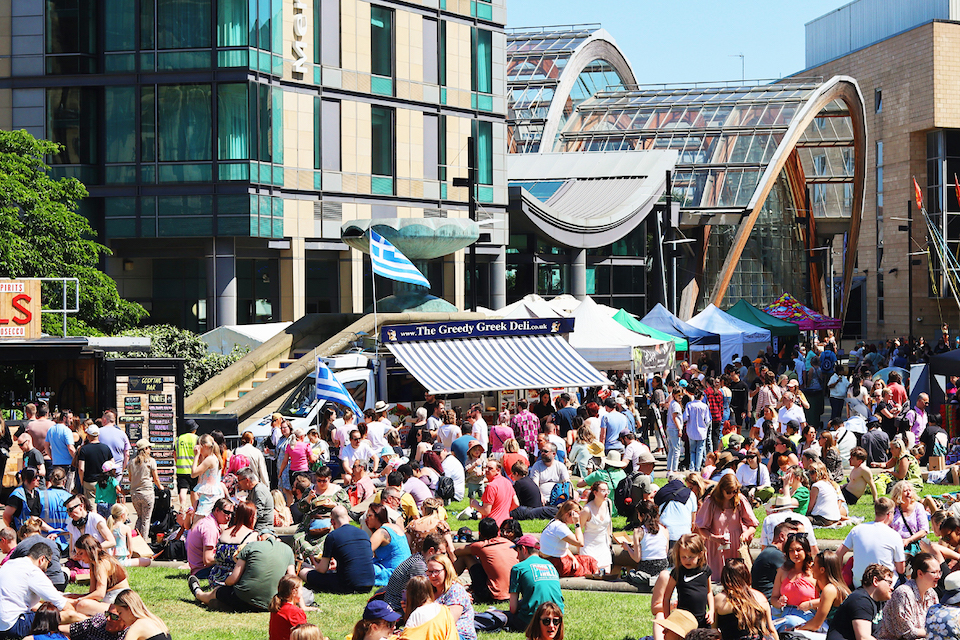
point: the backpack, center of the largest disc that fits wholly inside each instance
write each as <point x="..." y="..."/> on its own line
<point x="625" y="496"/>
<point x="828" y="361"/>
<point x="561" y="492"/>
<point x="445" y="488"/>
<point x="900" y="422"/>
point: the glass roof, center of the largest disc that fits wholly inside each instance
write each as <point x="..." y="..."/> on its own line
<point x="726" y="136"/>
<point x="536" y="58"/>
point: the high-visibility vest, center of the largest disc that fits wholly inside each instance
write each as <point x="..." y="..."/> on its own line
<point x="185" y="446"/>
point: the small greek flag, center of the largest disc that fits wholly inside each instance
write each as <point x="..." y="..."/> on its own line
<point x="390" y="263"/>
<point x="330" y="389"/>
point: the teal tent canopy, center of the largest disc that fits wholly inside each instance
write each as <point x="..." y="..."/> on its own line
<point x="628" y="321"/>
<point x="749" y="313"/>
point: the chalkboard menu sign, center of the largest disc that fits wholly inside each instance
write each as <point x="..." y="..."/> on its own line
<point x="147" y="407"/>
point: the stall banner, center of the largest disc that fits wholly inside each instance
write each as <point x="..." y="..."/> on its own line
<point x="147" y="409"/>
<point x="657" y="359"/>
<point x="475" y="329"/>
<point x="20" y="309"/>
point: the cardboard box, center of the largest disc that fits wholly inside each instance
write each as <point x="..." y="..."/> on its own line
<point x="935" y="463"/>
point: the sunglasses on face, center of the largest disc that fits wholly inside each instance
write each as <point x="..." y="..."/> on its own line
<point x="229" y="513"/>
<point x="73" y="508"/>
<point x="550" y="622"/>
<point x="112" y="615"/>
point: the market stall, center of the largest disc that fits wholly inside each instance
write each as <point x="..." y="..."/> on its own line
<point x="737" y="338"/>
<point x="777" y="327"/>
<point x="698" y="339"/>
<point x="630" y="321"/>
<point x="788" y="308"/>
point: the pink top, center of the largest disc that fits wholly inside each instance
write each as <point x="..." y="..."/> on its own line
<point x="299" y="455"/>
<point x="365" y="488"/>
<point x="798" y="590"/>
<point x="715" y="520"/>
<point x="498" y="435"/>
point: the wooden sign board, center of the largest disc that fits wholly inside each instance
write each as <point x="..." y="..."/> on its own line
<point x="147" y="406"/>
<point x="20" y="309"/>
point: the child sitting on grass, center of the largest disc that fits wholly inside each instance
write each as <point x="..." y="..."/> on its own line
<point x="285" y="611"/>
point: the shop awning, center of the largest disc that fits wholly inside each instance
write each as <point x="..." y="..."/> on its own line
<point x="490" y="364"/>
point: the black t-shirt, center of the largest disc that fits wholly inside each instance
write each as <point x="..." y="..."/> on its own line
<point x="542" y="410"/>
<point x="33" y="503"/>
<point x="692" y="587"/>
<point x="93" y="455"/>
<point x="764" y="571"/>
<point x="350" y="547"/>
<point x="885" y="423"/>
<point x="33" y="459"/>
<point x="528" y="493"/>
<point x="738" y="399"/>
<point x="564" y="419"/>
<point x="431" y="407"/>
<point x="858" y="606"/>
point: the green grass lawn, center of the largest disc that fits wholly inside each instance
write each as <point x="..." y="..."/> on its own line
<point x="165" y="592"/>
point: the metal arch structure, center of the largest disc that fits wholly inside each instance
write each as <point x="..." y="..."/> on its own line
<point x="569" y="49"/>
<point x="599" y="46"/>
<point x="846" y="90"/>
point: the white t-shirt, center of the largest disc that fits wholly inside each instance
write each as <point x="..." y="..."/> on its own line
<point x="481" y="432"/>
<point x="759" y="477"/>
<point x="653" y="546"/>
<point x="93" y="519"/>
<point x="558" y="441"/>
<point x="551" y="540"/>
<point x="341" y="435"/>
<point x="22" y="586"/>
<point x="772" y="520"/>
<point x="826" y="505"/>
<point x="873" y="542"/>
<point x="674" y="413"/>
<point x="364" y="452"/>
<point x="840" y="390"/>
<point x="677" y="517"/>
<point x="546" y="477"/>
<point x="447" y="434"/>
<point x="846" y="441"/>
<point x="632" y="453"/>
<point x="793" y="413"/>
<point x="453" y="469"/>
<point x="376" y="434"/>
<point x="594" y="425"/>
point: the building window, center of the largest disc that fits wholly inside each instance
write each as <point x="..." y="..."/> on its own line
<point x="382" y="136"/>
<point x="442" y="53"/>
<point x="258" y="290"/>
<point x="179" y="293"/>
<point x="233" y="28"/>
<point x="484" y="153"/>
<point x="180" y="24"/>
<point x="431" y="43"/>
<point x="326" y="25"/>
<point x="877" y="100"/>
<point x="120" y="111"/>
<point x="323" y="284"/>
<point x="184" y="122"/>
<point x="120" y="20"/>
<point x="381" y="50"/>
<point x="71" y="36"/>
<point x="880" y="313"/>
<point x="233" y="124"/>
<point x="879" y="203"/>
<point x="482" y="80"/>
<point x="72" y="119"/>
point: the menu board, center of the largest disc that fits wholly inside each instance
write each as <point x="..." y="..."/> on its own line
<point x="147" y="408"/>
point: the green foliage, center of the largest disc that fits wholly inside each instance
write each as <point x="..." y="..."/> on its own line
<point x="171" y="342"/>
<point x="42" y="236"/>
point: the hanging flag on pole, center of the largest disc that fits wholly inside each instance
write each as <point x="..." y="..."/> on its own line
<point x="330" y="389"/>
<point x="956" y="186"/>
<point x="918" y="193"/>
<point x="388" y="262"/>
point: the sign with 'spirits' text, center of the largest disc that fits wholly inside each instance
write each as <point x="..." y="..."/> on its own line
<point x="475" y="329"/>
<point x="20" y="309"/>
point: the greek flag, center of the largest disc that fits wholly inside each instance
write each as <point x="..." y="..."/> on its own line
<point x="390" y="263"/>
<point x="330" y="389"/>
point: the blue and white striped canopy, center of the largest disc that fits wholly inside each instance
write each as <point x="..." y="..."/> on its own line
<point x="490" y="364"/>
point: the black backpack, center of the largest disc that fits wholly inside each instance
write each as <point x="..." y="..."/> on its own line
<point x="626" y="495"/>
<point x="445" y="488"/>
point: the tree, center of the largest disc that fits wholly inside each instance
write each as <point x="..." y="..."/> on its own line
<point x="43" y="236"/>
<point x="170" y="342"/>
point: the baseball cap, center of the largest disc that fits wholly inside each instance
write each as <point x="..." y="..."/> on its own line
<point x="736" y="440"/>
<point x="794" y="424"/>
<point x="683" y="383"/>
<point x="380" y="610"/>
<point x="527" y="540"/>
<point x="951" y="586"/>
<point x="437" y="447"/>
<point x="143" y="443"/>
<point x="93" y="430"/>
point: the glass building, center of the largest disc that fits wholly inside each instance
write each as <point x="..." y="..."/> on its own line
<point x="765" y="175"/>
<point x="224" y="142"/>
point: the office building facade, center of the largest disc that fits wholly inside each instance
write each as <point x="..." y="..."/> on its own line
<point x="225" y="142"/>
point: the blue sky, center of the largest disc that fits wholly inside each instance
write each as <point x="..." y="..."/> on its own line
<point x="691" y="40"/>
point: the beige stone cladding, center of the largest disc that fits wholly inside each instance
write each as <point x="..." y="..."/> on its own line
<point x="917" y="74"/>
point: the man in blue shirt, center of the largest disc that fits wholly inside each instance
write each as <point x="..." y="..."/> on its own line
<point x="62" y="449"/>
<point x="564" y="416"/>
<point x="696" y="416"/>
<point x="612" y="424"/>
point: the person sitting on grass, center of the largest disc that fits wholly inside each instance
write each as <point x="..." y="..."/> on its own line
<point x="861" y="478"/>
<point x="135" y="619"/>
<point x="46" y="624"/>
<point x="123" y="537"/>
<point x="489" y="561"/>
<point x="107" y="577"/>
<point x="285" y="611"/>
<point x="377" y="622"/>
<point x="350" y="548"/>
<point x="741" y="611"/>
<point x="556" y="539"/>
<point x="253" y="583"/>
<point x="832" y="589"/>
<point x="426" y="618"/>
<point x="529" y="500"/>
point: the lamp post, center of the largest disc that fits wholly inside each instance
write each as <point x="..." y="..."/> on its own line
<point x="471" y="183"/>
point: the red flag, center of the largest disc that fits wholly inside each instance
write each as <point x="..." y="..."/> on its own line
<point x="956" y="186"/>
<point x="918" y="194"/>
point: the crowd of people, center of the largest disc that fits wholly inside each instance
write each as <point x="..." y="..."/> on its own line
<point x="358" y="505"/>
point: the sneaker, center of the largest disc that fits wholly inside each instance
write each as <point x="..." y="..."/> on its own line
<point x="194" y="585"/>
<point x="466" y="514"/>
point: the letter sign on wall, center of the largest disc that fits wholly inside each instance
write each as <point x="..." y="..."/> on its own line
<point x="299" y="31"/>
<point x="19" y="309"/>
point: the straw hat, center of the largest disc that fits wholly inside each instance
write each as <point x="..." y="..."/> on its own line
<point x="679" y="621"/>
<point x="614" y="459"/>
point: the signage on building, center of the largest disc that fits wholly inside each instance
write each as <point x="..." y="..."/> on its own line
<point x="20" y="309"/>
<point x="299" y="31"/>
<point x="147" y="410"/>
<point x="475" y="329"/>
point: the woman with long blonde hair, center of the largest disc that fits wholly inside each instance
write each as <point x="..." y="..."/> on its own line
<point x="741" y="611"/>
<point x="208" y="470"/>
<point x="140" y="622"/>
<point x="448" y="591"/>
<point x="833" y="590"/>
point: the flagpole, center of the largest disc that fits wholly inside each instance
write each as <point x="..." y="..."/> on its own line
<point x="376" y="325"/>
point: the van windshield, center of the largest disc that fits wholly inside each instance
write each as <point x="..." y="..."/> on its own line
<point x="299" y="403"/>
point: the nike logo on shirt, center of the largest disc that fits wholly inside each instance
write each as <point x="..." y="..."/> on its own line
<point x="689" y="578"/>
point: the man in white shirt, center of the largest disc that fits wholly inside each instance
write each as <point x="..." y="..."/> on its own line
<point x="875" y="542"/>
<point x="547" y="472"/>
<point x="790" y="411"/>
<point x="376" y="430"/>
<point x="783" y="509"/>
<point x="636" y="453"/>
<point x="23" y="585"/>
<point x="452" y="468"/>
<point x="358" y="449"/>
<point x="479" y="430"/>
<point x="257" y="462"/>
<point x="435" y="420"/>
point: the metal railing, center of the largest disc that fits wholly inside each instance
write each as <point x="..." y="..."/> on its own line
<point x="66" y="309"/>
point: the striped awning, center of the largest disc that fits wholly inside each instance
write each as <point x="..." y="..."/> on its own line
<point x="500" y="363"/>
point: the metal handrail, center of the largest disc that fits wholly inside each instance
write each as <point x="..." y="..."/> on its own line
<point x="66" y="310"/>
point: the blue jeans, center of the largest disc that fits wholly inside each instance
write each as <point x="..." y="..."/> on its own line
<point x="698" y="450"/>
<point x="793" y="617"/>
<point x="673" y="449"/>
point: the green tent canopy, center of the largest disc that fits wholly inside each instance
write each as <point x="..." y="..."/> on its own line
<point x="749" y="313"/>
<point x="628" y="321"/>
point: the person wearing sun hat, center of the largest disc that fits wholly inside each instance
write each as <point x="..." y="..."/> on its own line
<point x="611" y="473"/>
<point x="677" y="625"/>
<point x="780" y="509"/>
<point x="943" y="619"/>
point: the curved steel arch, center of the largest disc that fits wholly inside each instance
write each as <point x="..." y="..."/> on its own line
<point x="599" y="46"/>
<point x="845" y="89"/>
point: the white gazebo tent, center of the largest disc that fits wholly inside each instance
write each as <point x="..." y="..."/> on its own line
<point x="529" y="306"/>
<point x="602" y="341"/>
<point x="737" y="338"/>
